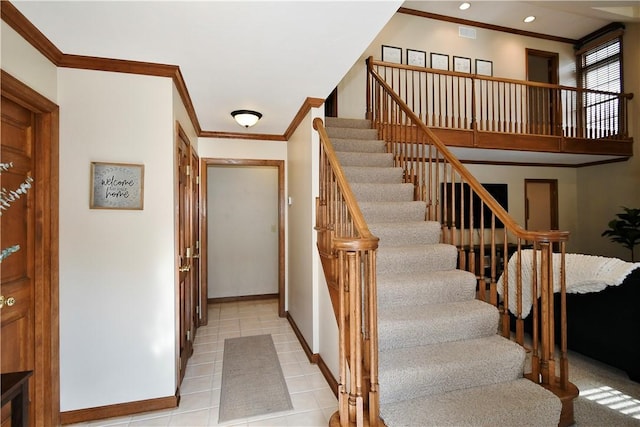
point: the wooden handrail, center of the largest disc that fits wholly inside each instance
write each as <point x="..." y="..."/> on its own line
<point x="348" y="254"/>
<point x="358" y="219"/>
<point x="495" y="79"/>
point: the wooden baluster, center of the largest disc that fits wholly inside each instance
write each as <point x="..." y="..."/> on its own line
<point x="343" y="394"/>
<point x="374" y="397"/>
<point x="547" y="367"/>
<point x="564" y="361"/>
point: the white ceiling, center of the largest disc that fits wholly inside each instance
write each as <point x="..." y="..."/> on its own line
<point x="267" y="56"/>
<point x="567" y="19"/>
<point x="271" y="55"/>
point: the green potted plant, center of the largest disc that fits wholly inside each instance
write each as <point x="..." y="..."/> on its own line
<point x="625" y="229"/>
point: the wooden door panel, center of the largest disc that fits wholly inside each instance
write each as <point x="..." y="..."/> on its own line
<point x="183" y="256"/>
<point x="197" y="308"/>
<point x="17" y="321"/>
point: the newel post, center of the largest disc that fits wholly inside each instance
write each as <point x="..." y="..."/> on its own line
<point x="547" y="339"/>
<point x="358" y="346"/>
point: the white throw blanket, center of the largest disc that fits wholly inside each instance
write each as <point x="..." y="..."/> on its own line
<point x="584" y="273"/>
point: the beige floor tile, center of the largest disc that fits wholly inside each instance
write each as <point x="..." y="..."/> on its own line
<point x="303" y="402"/>
<point x="308" y="419"/>
<point x="152" y="422"/>
<point x="312" y="398"/>
<point x="190" y="419"/>
<point x="194" y="401"/>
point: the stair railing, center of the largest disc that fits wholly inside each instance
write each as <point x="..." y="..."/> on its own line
<point x="485" y="104"/>
<point x="348" y="254"/>
<point x="486" y="237"/>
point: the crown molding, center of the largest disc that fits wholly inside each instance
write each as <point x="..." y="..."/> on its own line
<point x="470" y="23"/>
<point x="16" y="20"/>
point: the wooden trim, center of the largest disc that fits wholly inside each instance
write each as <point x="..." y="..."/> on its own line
<point x="206" y="162"/>
<point x="238" y="135"/>
<point x="29" y="32"/>
<point x="120" y="409"/>
<point x="204" y="278"/>
<point x="306" y="106"/>
<point x="33" y="36"/>
<point x="135" y="67"/>
<point x="223" y="300"/>
<point x="46" y="377"/>
<point x="327" y="374"/>
<point x="313" y="357"/>
<point x="18" y="92"/>
<point x="485" y="26"/>
<point x="545" y="165"/>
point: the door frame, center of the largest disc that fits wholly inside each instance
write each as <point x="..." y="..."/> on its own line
<point x="204" y="164"/>
<point x="46" y="376"/>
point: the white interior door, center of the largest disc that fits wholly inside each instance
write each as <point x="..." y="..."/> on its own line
<point x="242" y="206"/>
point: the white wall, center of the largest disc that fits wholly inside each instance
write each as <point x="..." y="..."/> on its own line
<point x="26" y="64"/>
<point x="302" y="160"/>
<point x="514" y="176"/>
<point x="224" y="148"/>
<point x="117" y="291"/>
<point x="507" y="51"/>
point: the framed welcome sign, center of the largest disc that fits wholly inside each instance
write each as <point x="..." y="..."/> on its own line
<point x="117" y="186"/>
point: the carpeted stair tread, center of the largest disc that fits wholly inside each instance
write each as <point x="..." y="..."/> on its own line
<point x="382" y="192"/>
<point x="391" y="212"/>
<point x="341" y="122"/>
<point x="410" y="372"/>
<point x="359" y="145"/>
<point x="431" y="287"/>
<point x="515" y="403"/>
<point x="373" y="174"/>
<point x="400" y="259"/>
<point x="365" y="159"/>
<point x="418" y="325"/>
<point x="352" y="133"/>
<point x="406" y="233"/>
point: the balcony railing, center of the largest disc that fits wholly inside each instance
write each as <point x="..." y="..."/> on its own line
<point x="488" y="112"/>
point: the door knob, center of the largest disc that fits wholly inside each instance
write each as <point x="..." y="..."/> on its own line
<point x="184" y="268"/>
<point x="8" y="301"/>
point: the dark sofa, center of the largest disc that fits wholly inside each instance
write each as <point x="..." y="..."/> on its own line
<point x="605" y="325"/>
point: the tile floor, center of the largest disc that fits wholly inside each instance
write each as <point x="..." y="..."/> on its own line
<point x="313" y="401"/>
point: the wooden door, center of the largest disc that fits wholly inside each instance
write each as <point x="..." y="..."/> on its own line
<point x="199" y="311"/>
<point x="544" y="113"/>
<point x="29" y="321"/>
<point x="541" y="204"/>
<point x="183" y="259"/>
<point x="18" y="241"/>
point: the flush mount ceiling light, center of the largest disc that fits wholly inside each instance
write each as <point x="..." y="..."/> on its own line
<point x="464" y="6"/>
<point x="530" y="18"/>
<point x="246" y="118"/>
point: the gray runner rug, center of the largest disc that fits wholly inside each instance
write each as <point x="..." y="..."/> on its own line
<point x="252" y="380"/>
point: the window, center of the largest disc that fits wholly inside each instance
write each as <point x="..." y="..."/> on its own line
<point x="600" y="71"/>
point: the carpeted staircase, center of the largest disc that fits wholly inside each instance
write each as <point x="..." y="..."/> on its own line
<point x="441" y="361"/>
